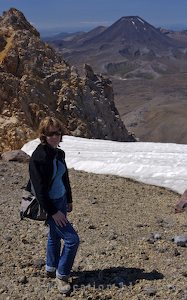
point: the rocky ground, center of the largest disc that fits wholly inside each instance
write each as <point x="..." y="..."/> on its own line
<point x="126" y="251"/>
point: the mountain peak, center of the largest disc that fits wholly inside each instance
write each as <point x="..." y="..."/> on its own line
<point x="16" y="20"/>
<point x="132" y="30"/>
<point x="130" y="18"/>
<point x="134" y="21"/>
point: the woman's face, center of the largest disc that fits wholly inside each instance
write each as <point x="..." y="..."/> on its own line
<point x="53" y="136"/>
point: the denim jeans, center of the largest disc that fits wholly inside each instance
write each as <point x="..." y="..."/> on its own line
<point x="57" y="259"/>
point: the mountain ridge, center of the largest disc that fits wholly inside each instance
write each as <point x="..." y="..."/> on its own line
<point x="127" y="28"/>
<point x="36" y="81"/>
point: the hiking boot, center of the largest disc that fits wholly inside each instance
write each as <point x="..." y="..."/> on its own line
<point x="51" y="274"/>
<point x="63" y="285"/>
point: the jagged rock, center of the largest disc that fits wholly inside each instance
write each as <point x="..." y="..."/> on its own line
<point x="36" y="82"/>
<point x="89" y="73"/>
<point x="2" y="43"/>
<point x="17" y="20"/>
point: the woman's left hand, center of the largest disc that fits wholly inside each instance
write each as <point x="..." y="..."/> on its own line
<point x="182" y="204"/>
<point x="69" y="207"/>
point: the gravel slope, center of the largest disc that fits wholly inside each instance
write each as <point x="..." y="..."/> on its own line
<point x="126" y="230"/>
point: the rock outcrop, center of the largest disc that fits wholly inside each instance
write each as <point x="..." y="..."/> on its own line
<point x="35" y="82"/>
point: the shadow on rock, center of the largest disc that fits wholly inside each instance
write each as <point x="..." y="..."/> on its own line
<point x="118" y="276"/>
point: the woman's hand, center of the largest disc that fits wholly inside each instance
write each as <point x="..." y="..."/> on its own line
<point x="182" y="204"/>
<point x="69" y="207"/>
<point x="60" y="219"/>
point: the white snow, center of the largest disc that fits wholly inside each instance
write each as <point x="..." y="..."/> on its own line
<point x="134" y="24"/>
<point x="141" y="20"/>
<point x="160" y="164"/>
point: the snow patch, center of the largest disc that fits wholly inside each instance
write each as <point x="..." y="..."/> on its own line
<point x="141" y="20"/>
<point x="134" y="24"/>
<point x="161" y="164"/>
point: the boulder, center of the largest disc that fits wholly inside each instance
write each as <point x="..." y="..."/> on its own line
<point x="15" y="155"/>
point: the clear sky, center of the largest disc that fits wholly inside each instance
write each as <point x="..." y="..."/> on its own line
<point x="71" y="15"/>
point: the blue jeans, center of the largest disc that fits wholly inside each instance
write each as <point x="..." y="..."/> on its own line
<point x="61" y="261"/>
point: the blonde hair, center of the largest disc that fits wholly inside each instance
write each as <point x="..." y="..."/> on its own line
<point x="45" y="125"/>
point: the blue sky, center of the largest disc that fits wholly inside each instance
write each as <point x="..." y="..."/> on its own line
<point x="71" y="15"/>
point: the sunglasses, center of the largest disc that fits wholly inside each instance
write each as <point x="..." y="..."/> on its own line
<point x="51" y="133"/>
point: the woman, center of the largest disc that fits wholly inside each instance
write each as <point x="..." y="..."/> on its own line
<point x="50" y="180"/>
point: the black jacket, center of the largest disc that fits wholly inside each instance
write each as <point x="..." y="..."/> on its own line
<point x="41" y="172"/>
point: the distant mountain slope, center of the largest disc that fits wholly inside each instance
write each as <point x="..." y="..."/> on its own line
<point x="130" y="47"/>
<point x="62" y="36"/>
<point x="132" y="30"/>
<point x="74" y="40"/>
<point x="148" y="68"/>
<point x="176" y="35"/>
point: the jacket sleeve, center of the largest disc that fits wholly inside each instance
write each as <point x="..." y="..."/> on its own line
<point x="38" y="178"/>
<point x="66" y="182"/>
